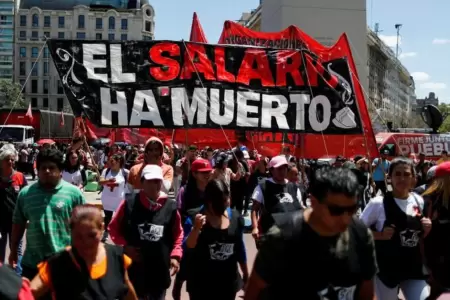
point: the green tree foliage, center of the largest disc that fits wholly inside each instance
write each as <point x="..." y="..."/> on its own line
<point x="11" y="95"/>
<point x="445" y="110"/>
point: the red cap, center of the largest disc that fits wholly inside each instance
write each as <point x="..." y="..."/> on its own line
<point x="443" y="169"/>
<point x="201" y="165"/>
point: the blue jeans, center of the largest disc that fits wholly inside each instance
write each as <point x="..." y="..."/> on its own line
<point x="5" y="236"/>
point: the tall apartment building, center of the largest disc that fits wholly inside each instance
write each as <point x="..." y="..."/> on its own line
<point x="61" y="20"/>
<point x="390" y="86"/>
<point x="6" y="39"/>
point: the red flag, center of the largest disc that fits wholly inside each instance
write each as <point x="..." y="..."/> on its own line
<point x="29" y="113"/>
<point x="197" y="34"/>
<point x="61" y="120"/>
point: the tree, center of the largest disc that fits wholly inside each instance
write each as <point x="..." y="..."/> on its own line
<point x="11" y="95"/>
<point x="445" y="110"/>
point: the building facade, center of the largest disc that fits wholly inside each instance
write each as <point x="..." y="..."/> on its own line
<point x="7" y="8"/>
<point x="34" y="67"/>
<point x="421" y="103"/>
<point x="389" y="89"/>
<point x="391" y="86"/>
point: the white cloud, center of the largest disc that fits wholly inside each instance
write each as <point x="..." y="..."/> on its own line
<point x="408" y="54"/>
<point x="420" y="76"/>
<point x="433" y="86"/>
<point x="390" y="40"/>
<point x="441" y="41"/>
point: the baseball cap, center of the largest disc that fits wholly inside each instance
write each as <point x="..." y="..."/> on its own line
<point x="442" y="169"/>
<point x="152" y="172"/>
<point x="278" y="161"/>
<point x="201" y="165"/>
<point x="431" y="172"/>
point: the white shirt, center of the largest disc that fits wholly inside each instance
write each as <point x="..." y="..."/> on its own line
<point x="258" y="195"/>
<point x="73" y="178"/>
<point x="374" y="213"/>
<point x="111" y="199"/>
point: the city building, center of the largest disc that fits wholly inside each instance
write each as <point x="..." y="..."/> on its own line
<point x="421" y="103"/>
<point x="7" y="8"/>
<point x="91" y="20"/>
<point x="389" y="86"/>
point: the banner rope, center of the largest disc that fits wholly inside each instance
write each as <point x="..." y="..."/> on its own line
<point x="207" y="97"/>
<point x="24" y="85"/>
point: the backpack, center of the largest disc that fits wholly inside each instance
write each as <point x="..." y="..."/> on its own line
<point x="124" y="174"/>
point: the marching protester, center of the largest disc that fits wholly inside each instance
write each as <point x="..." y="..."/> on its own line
<point x="420" y="189"/>
<point x="73" y="173"/>
<point x="88" y="269"/>
<point x="43" y="208"/>
<point x="11" y="182"/>
<point x="215" y="247"/>
<point x="238" y="187"/>
<point x="183" y="165"/>
<point x="330" y="251"/>
<point x="222" y="171"/>
<point x="259" y="173"/>
<point x="399" y="227"/>
<point x="191" y="196"/>
<point x="154" y="150"/>
<point x="149" y="227"/>
<point x="437" y="243"/>
<point x="114" y="184"/>
<point x="273" y="195"/>
<point x="380" y="168"/>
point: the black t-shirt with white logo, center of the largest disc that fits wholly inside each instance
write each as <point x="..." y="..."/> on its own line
<point x="297" y="263"/>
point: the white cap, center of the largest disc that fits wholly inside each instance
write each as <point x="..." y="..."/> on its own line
<point x="152" y="172"/>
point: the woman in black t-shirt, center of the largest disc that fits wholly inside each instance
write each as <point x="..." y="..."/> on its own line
<point x="215" y="247"/>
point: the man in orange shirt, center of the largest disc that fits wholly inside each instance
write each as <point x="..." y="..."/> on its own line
<point x="154" y="149"/>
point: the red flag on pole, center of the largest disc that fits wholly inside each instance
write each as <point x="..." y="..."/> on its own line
<point x="197" y="33"/>
<point x="61" y="120"/>
<point x="29" y="113"/>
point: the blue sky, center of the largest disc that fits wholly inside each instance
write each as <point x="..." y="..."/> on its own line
<point x="425" y="35"/>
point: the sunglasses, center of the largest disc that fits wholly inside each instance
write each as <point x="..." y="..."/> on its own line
<point x="336" y="210"/>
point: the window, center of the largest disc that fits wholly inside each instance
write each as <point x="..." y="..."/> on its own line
<point x="47" y="22"/>
<point x="112" y="23"/>
<point x="60" y="35"/>
<point x="147" y="38"/>
<point x="81" y="35"/>
<point x="81" y="21"/>
<point x="45" y="86"/>
<point x="22" y="68"/>
<point x="23" y="21"/>
<point x="23" y="52"/>
<point x="148" y="26"/>
<point x="99" y="23"/>
<point x="34" y="52"/>
<point x="35" y="20"/>
<point x="111" y="36"/>
<point x="61" y="22"/>
<point x="34" y="86"/>
<point x="22" y="35"/>
<point x="98" y="36"/>
<point x="35" y="70"/>
<point x="60" y="88"/>
<point x="124" y="24"/>
<point x="46" y="53"/>
<point x="34" y="36"/>
<point x="45" y="67"/>
<point x="45" y="103"/>
<point x="34" y="102"/>
<point x="123" y="37"/>
<point x="60" y="104"/>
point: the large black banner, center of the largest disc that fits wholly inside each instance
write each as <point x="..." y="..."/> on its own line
<point x="167" y="84"/>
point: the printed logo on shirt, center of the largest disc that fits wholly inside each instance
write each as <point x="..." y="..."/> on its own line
<point x="150" y="232"/>
<point x="339" y="293"/>
<point x="409" y="238"/>
<point x="221" y="251"/>
<point x="60" y="204"/>
<point x="285" y="198"/>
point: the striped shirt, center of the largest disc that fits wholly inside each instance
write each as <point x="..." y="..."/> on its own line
<point x="48" y="213"/>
